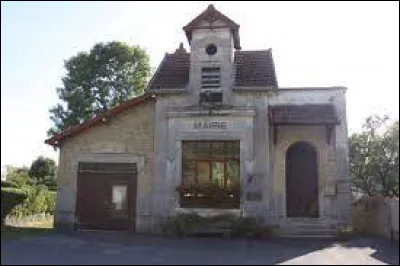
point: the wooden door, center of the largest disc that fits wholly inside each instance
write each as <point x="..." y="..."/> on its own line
<point x="106" y="196"/>
<point x="301" y="181"/>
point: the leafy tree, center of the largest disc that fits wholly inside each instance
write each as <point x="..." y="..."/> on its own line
<point x="50" y="182"/>
<point x="42" y="170"/>
<point x="374" y="157"/>
<point x="18" y="175"/>
<point x="42" y="167"/>
<point x="106" y="76"/>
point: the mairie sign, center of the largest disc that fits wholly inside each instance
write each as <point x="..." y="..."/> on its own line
<point x="210" y="125"/>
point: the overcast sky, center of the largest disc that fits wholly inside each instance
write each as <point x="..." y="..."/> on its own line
<point x="352" y="44"/>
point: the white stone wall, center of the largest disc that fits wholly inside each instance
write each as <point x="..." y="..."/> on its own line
<point x="223" y="39"/>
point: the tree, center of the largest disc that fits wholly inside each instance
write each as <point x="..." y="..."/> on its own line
<point x="96" y="81"/>
<point x="18" y="175"/>
<point x="374" y="157"/>
<point x="43" y="170"/>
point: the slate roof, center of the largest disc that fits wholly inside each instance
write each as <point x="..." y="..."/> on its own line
<point x="252" y="69"/>
<point x="303" y="114"/>
<point x="172" y="73"/>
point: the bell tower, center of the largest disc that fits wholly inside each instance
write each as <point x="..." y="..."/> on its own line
<point x="213" y="38"/>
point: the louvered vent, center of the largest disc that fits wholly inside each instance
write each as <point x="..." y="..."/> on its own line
<point x="210" y="78"/>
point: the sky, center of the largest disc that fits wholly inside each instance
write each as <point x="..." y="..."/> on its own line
<point x="351" y="44"/>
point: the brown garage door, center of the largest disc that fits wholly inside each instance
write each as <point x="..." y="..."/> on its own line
<point x="106" y="196"/>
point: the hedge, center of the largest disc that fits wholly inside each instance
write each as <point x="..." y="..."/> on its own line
<point x="225" y="224"/>
<point x="10" y="198"/>
<point x="5" y="183"/>
<point x="26" y="201"/>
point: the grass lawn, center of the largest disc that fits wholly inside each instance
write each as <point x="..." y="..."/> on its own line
<point x="10" y="231"/>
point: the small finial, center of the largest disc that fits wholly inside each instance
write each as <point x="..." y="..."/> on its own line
<point x="181" y="49"/>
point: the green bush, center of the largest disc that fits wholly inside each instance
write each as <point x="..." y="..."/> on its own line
<point x="51" y="202"/>
<point x="226" y="224"/>
<point x="181" y="224"/>
<point x="250" y="227"/>
<point x="36" y="200"/>
<point x="5" y="183"/>
<point x="50" y="182"/>
<point x="10" y="198"/>
<point x="347" y="232"/>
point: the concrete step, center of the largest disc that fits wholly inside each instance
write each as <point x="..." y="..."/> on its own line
<point x="308" y="230"/>
<point x="307" y="227"/>
<point x="310" y="236"/>
<point x="308" y="224"/>
<point x="306" y="221"/>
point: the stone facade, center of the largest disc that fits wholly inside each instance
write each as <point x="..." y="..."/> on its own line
<point x="222" y="38"/>
<point x="127" y="138"/>
<point x="332" y="159"/>
<point x="249" y="124"/>
<point x="151" y="135"/>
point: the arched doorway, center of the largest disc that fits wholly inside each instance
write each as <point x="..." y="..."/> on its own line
<point x="301" y="181"/>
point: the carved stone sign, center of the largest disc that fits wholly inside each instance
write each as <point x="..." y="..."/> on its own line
<point x="210" y="125"/>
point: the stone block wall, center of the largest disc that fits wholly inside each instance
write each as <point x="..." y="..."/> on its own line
<point x="334" y="159"/>
<point x="326" y="162"/>
<point x="127" y="137"/>
<point x="376" y="216"/>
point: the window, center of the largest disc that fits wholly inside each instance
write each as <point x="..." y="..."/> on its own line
<point x="210" y="174"/>
<point x="210" y="78"/>
<point x="211" y="49"/>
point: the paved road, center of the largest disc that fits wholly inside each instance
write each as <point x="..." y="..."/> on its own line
<point x="111" y="248"/>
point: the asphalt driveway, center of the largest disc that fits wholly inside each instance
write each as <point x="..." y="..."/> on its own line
<point x="113" y="249"/>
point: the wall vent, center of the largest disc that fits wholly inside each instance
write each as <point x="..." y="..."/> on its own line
<point x="210" y="78"/>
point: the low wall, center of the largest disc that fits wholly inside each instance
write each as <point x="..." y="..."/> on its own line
<point x="394" y="213"/>
<point x="376" y="216"/>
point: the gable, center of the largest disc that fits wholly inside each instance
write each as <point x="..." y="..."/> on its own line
<point x="104" y="118"/>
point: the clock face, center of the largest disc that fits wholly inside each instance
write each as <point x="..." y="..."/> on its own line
<point x="211" y="49"/>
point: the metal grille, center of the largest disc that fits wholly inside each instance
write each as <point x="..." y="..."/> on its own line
<point x="107" y="167"/>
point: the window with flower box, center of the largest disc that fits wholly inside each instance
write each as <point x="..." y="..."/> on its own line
<point x="210" y="174"/>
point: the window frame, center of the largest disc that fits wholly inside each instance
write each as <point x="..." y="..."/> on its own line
<point x="234" y="201"/>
